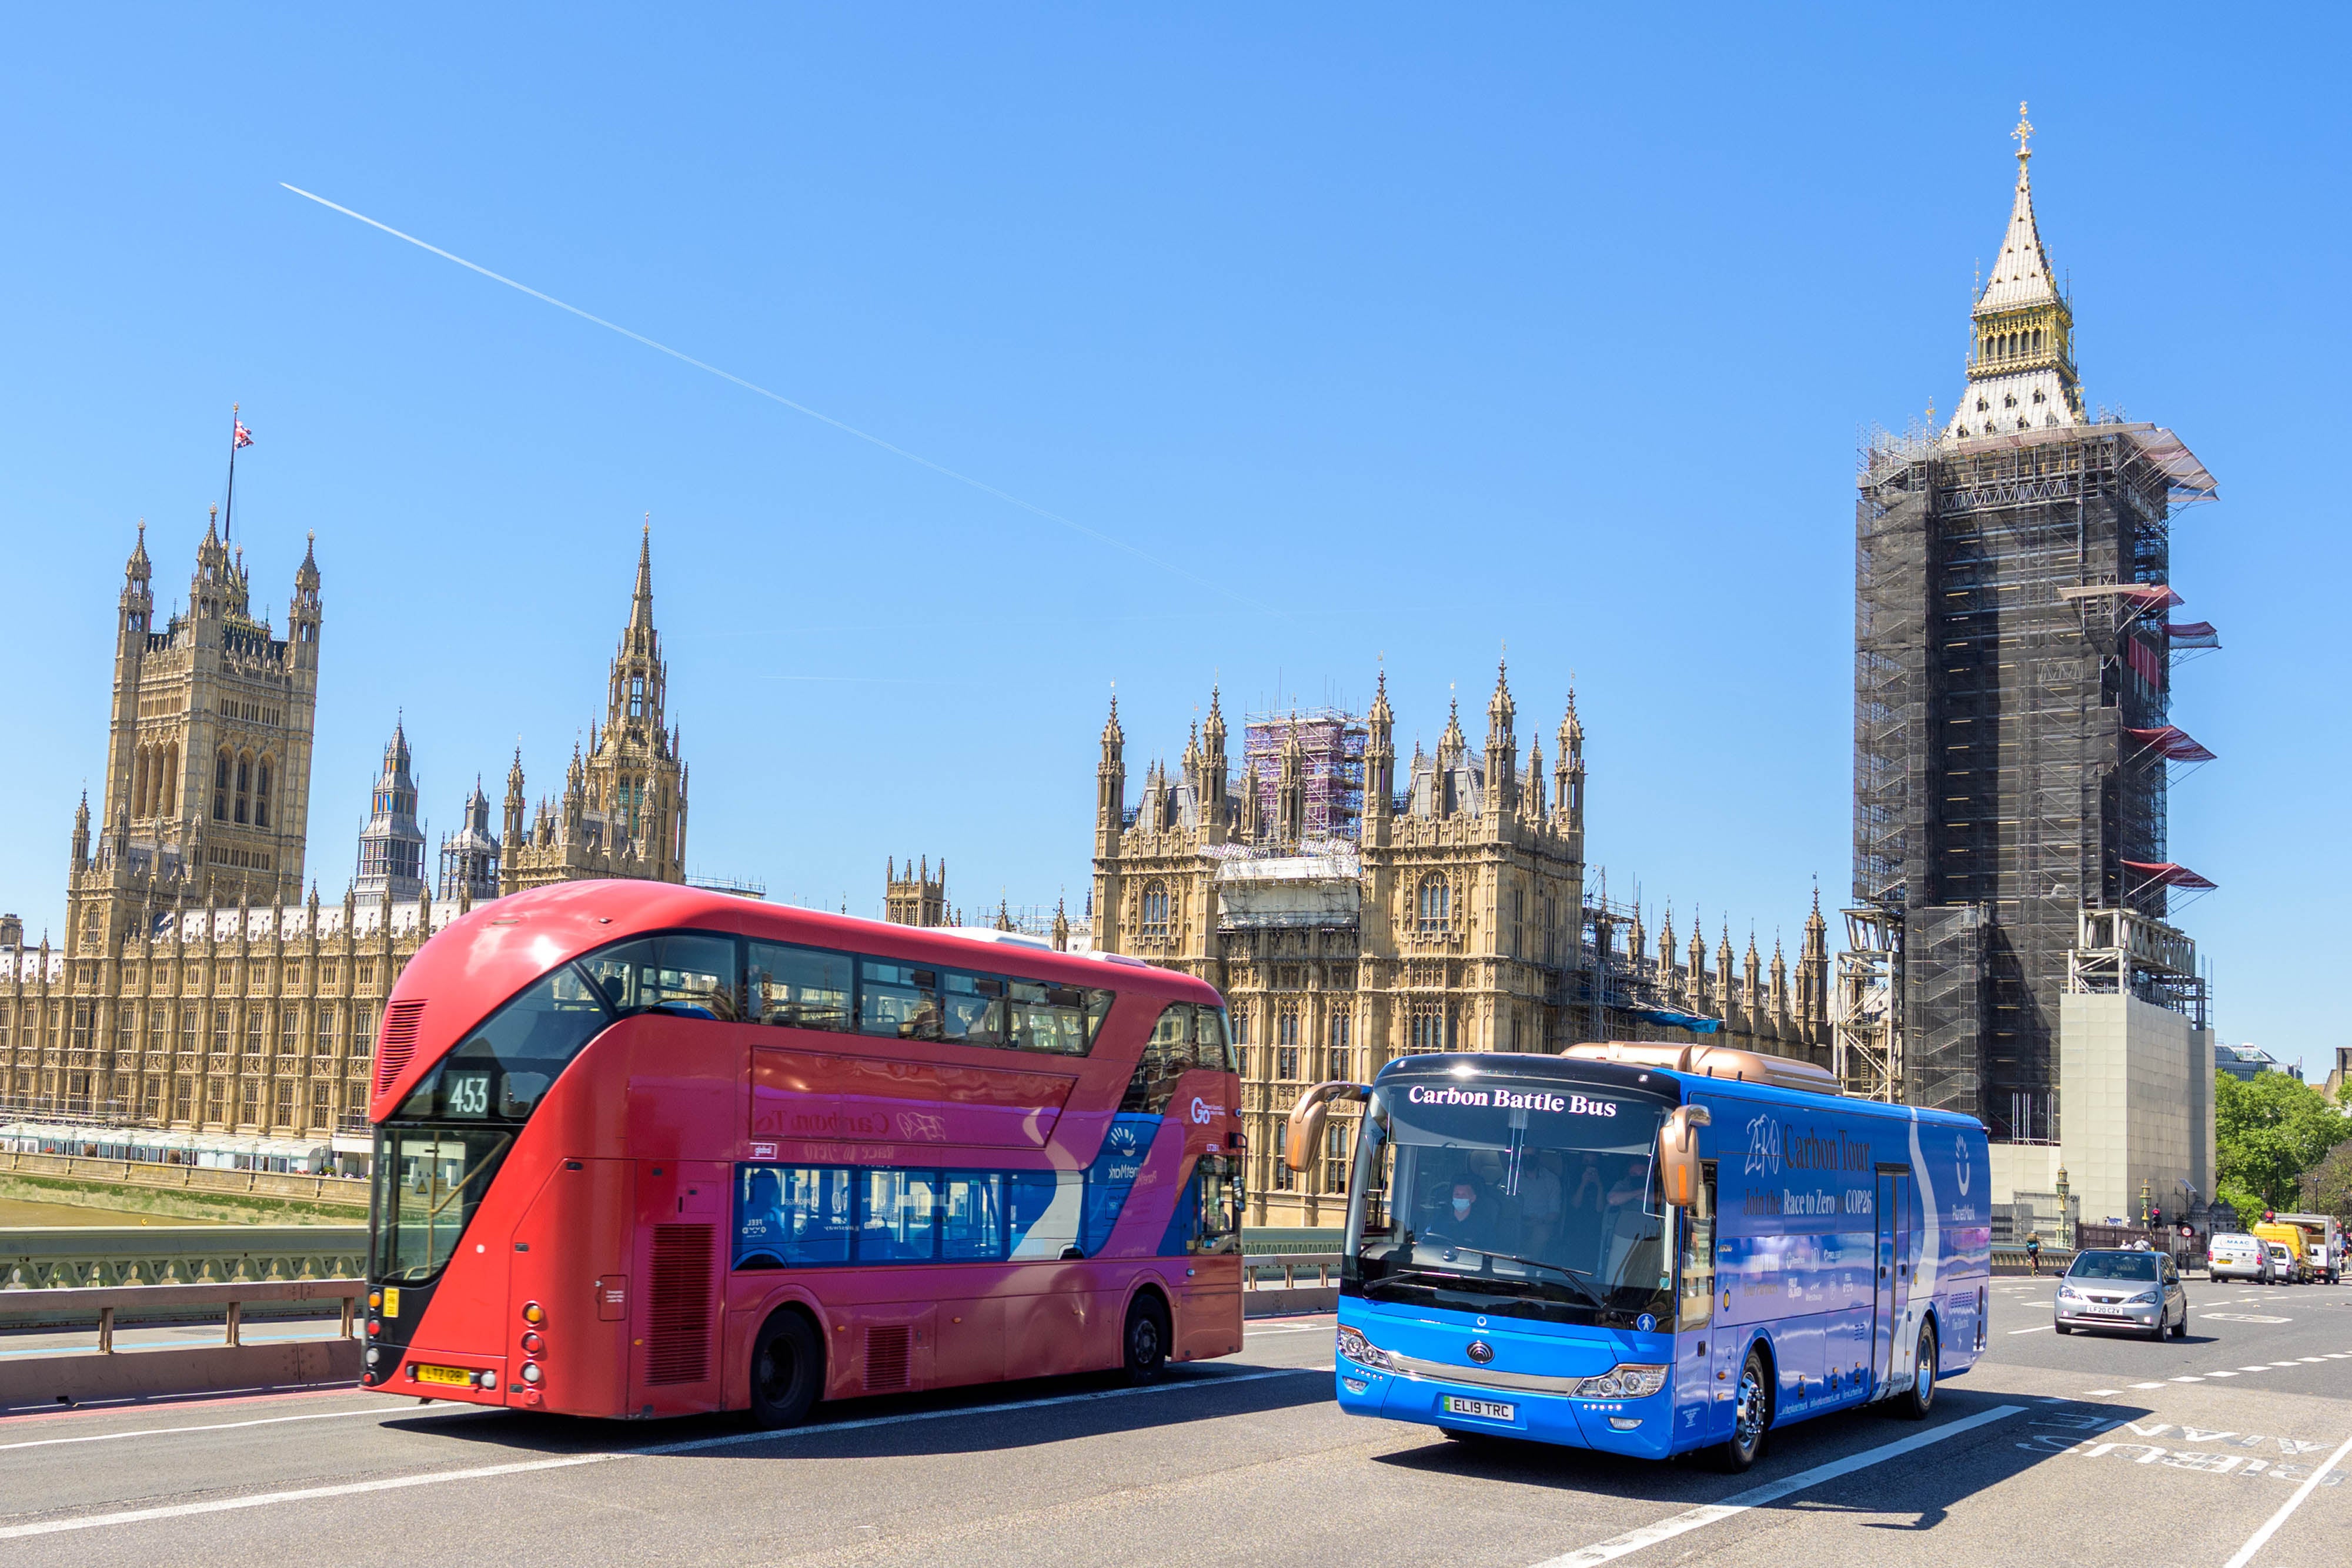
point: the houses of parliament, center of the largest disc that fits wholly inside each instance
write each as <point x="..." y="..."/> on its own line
<point x="197" y="988"/>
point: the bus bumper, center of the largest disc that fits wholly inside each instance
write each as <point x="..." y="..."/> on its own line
<point x="1639" y="1429"/>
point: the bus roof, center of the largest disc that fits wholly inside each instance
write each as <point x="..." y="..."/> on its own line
<point x="489" y="955"/>
<point x="1635" y="1073"/>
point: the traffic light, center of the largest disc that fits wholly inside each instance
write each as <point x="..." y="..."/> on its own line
<point x="2155" y="1215"/>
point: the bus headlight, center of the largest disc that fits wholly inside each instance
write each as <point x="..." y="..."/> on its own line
<point x="530" y="1372"/>
<point x="1362" y="1351"/>
<point x="1625" y="1382"/>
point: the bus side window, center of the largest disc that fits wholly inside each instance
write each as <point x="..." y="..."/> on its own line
<point x="1166" y="1056"/>
<point x="1048" y="1018"/>
<point x="1698" y="1294"/>
<point x="686" y="974"/>
<point x="897" y="1000"/>
<point x="1213" y="1041"/>
<point x="798" y="988"/>
<point x="973" y="1006"/>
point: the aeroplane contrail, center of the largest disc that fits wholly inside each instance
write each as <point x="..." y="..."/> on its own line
<point x="939" y="469"/>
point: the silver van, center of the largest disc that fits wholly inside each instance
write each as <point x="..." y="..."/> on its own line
<point x="2123" y="1289"/>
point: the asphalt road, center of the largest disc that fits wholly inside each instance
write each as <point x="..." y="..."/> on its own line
<point x="2080" y="1451"/>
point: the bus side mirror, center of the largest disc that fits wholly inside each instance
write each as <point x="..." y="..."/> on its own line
<point x="1306" y="1118"/>
<point x="1678" y="1153"/>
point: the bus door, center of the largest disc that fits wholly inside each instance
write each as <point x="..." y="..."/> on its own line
<point x="1701" y="1340"/>
<point x="1893" y="1284"/>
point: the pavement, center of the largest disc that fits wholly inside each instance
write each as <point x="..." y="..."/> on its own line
<point x="2229" y="1449"/>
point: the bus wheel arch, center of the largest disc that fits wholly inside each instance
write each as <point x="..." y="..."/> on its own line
<point x="1760" y="1377"/>
<point x="785" y="1373"/>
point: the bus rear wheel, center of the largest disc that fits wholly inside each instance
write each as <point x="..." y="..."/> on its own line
<point x="787" y="1370"/>
<point x="1145" y="1338"/>
<point x="1914" y="1402"/>
<point x="1751" y="1415"/>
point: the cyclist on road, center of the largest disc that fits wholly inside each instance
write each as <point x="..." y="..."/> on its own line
<point x="2033" y="1251"/>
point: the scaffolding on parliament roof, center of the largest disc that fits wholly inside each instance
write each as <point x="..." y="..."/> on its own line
<point x="1331" y="742"/>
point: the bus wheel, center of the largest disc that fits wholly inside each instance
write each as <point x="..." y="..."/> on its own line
<point x="787" y="1369"/>
<point x="1146" y="1338"/>
<point x="1751" y="1417"/>
<point x="1915" y="1405"/>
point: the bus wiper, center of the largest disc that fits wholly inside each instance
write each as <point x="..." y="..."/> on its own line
<point x="1576" y="1277"/>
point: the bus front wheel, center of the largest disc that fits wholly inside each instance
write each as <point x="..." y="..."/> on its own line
<point x="1751" y="1415"/>
<point x="787" y="1370"/>
<point x="1145" y="1338"/>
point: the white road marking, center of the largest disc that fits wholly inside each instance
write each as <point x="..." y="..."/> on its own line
<point x="2095" y="1393"/>
<point x="696" y="1445"/>
<point x="2221" y="1375"/>
<point x="2188" y="1379"/>
<point x="232" y="1425"/>
<point x="2148" y="1385"/>
<point x="2311" y="1358"/>
<point x="1617" y="1546"/>
<point x="2310" y="1484"/>
<point x="2038" y="1328"/>
<point x="2253" y="1369"/>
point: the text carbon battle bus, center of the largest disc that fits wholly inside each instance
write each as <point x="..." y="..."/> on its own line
<point x="1649" y="1250"/>
<point x="643" y="1150"/>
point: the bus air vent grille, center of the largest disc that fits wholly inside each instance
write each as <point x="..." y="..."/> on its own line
<point x="677" y="1341"/>
<point x="398" y="1042"/>
<point x="886" y="1358"/>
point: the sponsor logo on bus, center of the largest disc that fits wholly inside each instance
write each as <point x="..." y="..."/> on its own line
<point x="1203" y="1112"/>
<point x="1511" y="1100"/>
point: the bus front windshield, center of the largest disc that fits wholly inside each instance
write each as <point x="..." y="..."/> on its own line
<point x="1521" y="1200"/>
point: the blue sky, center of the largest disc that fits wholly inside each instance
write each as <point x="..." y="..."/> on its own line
<point x="1411" y="334"/>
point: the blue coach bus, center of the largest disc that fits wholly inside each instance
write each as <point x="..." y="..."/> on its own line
<point x="1648" y="1250"/>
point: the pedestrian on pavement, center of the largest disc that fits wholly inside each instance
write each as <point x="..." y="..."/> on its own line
<point x="2033" y="1251"/>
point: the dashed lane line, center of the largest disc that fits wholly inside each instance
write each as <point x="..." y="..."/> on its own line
<point x="1682" y="1523"/>
<point x="569" y="1461"/>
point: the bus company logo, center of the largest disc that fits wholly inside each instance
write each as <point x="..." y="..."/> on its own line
<point x="1204" y="1113"/>
<point x="1512" y="1100"/>
<point x="1763" y="1147"/>
<point x="1961" y="1157"/>
<point x="763" y="1151"/>
<point x="1122" y="1137"/>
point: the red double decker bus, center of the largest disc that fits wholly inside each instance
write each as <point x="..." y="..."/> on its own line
<point x="643" y="1150"/>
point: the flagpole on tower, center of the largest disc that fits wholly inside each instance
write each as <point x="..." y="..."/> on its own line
<point x="228" y="512"/>
<point x="238" y="437"/>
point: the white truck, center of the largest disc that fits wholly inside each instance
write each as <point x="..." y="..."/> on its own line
<point x="2323" y="1247"/>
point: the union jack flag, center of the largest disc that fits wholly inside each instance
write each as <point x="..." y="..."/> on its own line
<point x="244" y="437"/>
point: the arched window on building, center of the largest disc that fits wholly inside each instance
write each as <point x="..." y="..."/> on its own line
<point x="1155" y="909"/>
<point x="636" y="696"/>
<point x="1334" y="1157"/>
<point x="1286" y="1043"/>
<point x="261" y="794"/>
<point x="244" y="789"/>
<point x="171" y="787"/>
<point x="1431" y="1026"/>
<point x="221" y="767"/>
<point x="1340" y="1061"/>
<point x="1433" y="903"/>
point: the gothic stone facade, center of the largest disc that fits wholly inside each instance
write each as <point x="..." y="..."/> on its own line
<point x="196" y="989"/>
<point x="1454" y="918"/>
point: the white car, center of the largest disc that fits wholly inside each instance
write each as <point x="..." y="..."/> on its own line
<point x="2234" y="1255"/>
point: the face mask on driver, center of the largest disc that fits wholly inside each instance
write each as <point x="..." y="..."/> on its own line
<point x="1461" y="1207"/>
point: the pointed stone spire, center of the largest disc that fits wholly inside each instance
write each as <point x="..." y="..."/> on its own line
<point x="641" y="607"/>
<point x="2022" y="373"/>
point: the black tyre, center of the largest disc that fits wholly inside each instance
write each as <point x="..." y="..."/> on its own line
<point x="1914" y="1404"/>
<point x="2063" y="1328"/>
<point x="1751" y="1415"/>
<point x="2180" y="1329"/>
<point x="787" y="1370"/>
<point x="1145" y="1338"/>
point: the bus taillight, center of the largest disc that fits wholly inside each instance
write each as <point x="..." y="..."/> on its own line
<point x="533" y="1314"/>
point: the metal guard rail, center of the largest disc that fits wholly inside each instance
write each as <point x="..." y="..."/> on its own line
<point x="106" y="1301"/>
